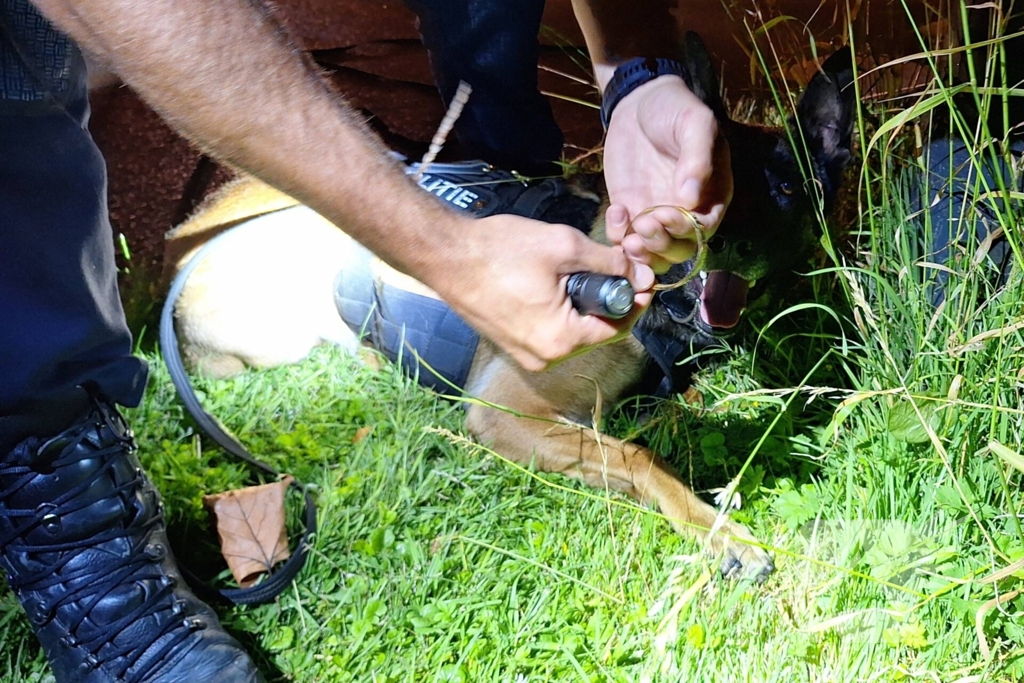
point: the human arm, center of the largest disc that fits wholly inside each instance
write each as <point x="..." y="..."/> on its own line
<point x="224" y="74"/>
<point x="663" y="145"/>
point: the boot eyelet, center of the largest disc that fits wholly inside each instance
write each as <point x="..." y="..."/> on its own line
<point x="39" y="613"/>
<point x="89" y="663"/>
<point x="45" y="509"/>
<point x="169" y="582"/>
<point x="195" y="624"/>
<point x="178" y="608"/>
<point x="68" y="641"/>
<point x="156" y="551"/>
<point x="52" y="524"/>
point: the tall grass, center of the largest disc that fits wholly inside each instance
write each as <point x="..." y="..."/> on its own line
<point x="915" y="511"/>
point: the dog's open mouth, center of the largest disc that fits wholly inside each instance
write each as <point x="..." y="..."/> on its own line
<point x="722" y="299"/>
<point x="712" y="302"/>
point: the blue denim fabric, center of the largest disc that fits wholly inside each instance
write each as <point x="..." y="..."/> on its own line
<point x="492" y="45"/>
<point x="61" y="320"/>
<point x="953" y="213"/>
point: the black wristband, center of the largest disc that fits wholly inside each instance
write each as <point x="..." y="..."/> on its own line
<point x="631" y="75"/>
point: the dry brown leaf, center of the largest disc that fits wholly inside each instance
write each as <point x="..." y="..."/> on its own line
<point x="371" y="359"/>
<point x="250" y="523"/>
<point x="361" y="434"/>
<point x="693" y="397"/>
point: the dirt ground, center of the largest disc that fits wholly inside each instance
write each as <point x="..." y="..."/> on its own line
<point x="371" y="51"/>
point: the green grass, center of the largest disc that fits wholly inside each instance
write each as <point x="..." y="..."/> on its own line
<point x="439" y="561"/>
<point x="875" y="440"/>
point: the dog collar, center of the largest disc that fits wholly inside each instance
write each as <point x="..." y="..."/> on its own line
<point x="630" y="75"/>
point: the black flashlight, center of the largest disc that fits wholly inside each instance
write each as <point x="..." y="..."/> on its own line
<point x="608" y="296"/>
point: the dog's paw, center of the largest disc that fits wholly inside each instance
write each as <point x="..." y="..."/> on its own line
<point x="741" y="557"/>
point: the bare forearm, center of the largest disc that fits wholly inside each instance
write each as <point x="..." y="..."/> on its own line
<point x="616" y="31"/>
<point x="223" y="73"/>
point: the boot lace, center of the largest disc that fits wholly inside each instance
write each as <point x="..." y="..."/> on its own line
<point x="90" y="585"/>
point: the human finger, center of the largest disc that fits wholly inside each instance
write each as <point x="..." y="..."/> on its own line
<point x="636" y="247"/>
<point x="717" y="191"/>
<point x="616" y="223"/>
<point x="666" y="222"/>
<point x="696" y="131"/>
<point x="590" y="256"/>
<point x="591" y="330"/>
<point x="660" y="259"/>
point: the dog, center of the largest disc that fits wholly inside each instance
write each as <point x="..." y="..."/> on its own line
<point x="268" y="293"/>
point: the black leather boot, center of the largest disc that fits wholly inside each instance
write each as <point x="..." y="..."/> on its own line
<point x="83" y="545"/>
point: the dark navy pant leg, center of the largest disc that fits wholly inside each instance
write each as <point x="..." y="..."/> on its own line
<point x="61" y="320"/>
<point x="954" y="216"/>
<point x="492" y="45"/>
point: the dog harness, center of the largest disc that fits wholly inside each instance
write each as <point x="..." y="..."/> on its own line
<point x="423" y="334"/>
<point x="663" y="373"/>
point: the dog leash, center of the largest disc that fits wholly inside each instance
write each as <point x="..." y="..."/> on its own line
<point x="487" y="197"/>
<point x="277" y="581"/>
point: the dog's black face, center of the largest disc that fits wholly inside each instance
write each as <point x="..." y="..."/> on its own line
<point x="772" y="222"/>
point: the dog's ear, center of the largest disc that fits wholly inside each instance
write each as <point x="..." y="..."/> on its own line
<point x="825" y="113"/>
<point x="702" y="81"/>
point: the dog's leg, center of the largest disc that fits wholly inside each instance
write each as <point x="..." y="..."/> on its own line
<point x="603" y="461"/>
<point x="214" y="365"/>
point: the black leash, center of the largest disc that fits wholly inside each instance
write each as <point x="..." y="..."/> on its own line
<point x="471" y="186"/>
<point x="277" y="581"/>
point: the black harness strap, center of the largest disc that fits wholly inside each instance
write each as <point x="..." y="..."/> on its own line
<point x="531" y="202"/>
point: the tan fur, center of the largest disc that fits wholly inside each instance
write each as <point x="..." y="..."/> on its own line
<point x="264" y="296"/>
<point x="228" y="317"/>
<point x="235" y="202"/>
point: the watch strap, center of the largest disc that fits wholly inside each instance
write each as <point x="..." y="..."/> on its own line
<point x="630" y="75"/>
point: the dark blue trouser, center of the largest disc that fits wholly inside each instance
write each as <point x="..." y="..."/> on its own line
<point x="949" y="207"/>
<point x="61" y="320"/>
<point x="492" y="45"/>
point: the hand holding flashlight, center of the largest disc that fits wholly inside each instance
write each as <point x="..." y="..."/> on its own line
<point x="607" y="296"/>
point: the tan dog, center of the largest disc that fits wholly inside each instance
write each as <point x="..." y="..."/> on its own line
<point x="266" y="296"/>
<point x="263" y="297"/>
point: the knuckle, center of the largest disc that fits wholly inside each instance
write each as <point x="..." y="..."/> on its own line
<point x="711" y="123"/>
<point x="559" y="243"/>
<point x="530" y="362"/>
<point x="568" y="241"/>
<point x="700" y="118"/>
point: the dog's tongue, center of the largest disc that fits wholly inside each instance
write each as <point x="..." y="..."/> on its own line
<point x="723" y="299"/>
